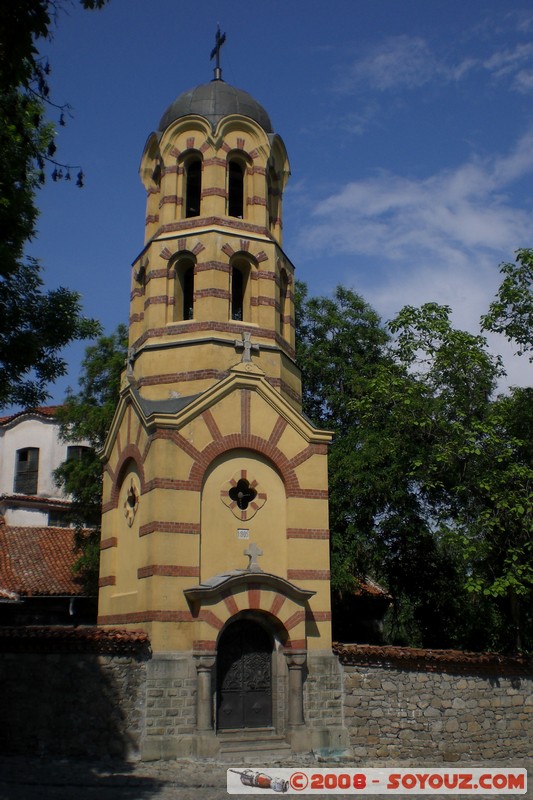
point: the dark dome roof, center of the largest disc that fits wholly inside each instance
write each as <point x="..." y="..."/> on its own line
<point x="214" y="101"/>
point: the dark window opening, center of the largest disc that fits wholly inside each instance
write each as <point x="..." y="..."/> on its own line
<point x="77" y="452"/>
<point x="237" y="294"/>
<point x="193" y="188"/>
<point x="235" y="190"/>
<point x="243" y="494"/>
<point x="187" y="285"/>
<point x="27" y="470"/>
<point x="283" y="288"/>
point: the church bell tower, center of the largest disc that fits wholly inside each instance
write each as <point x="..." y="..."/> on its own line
<point x="215" y="520"/>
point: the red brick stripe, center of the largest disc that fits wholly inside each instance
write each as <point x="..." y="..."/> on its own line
<point x="169" y="527"/>
<point x="105" y="544"/>
<point x="169" y="571"/>
<point x="307" y="533"/>
<point x="109" y="580"/>
<point x="308" y="574"/>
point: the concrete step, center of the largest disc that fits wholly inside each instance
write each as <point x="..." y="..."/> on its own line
<point x="252" y="746"/>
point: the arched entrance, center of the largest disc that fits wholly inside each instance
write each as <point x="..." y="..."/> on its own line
<point x="244" y="677"/>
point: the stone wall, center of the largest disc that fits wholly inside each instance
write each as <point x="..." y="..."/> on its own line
<point x="72" y="692"/>
<point x="436" y="706"/>
<point x="170" y="707"/>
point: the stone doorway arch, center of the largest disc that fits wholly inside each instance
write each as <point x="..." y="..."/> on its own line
<point x="244" y="677"/>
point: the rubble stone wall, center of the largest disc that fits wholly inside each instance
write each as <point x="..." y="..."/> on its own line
<point x="436" y="715"/>
<point x="83" y="704"/>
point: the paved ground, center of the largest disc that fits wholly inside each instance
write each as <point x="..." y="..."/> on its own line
<point x="69" y="779"/>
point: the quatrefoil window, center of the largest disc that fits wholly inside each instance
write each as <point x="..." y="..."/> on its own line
<point x="131" y="503"/>
<point x="242" y="495"/>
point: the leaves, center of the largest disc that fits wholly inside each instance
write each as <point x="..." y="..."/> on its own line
<point x="431" y="476"/>
<point x="511" y="313"/>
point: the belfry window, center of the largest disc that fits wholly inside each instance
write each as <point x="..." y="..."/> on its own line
<point x="238" y="292"/>
<point x="184" y="289"/>
<point x="283" y="290"/>
<point x="193" y="187"/>
<point x="235" y="189"/>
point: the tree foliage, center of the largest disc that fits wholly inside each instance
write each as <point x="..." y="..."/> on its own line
<point x="87" y="416"/>
<point x="29" y="316"/>
<point x="430" y="473"/>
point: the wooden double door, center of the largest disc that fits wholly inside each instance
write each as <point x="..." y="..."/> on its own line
<point x="244" y="677"/>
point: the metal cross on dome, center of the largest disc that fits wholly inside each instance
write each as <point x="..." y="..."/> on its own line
<point x="219" y="41"/>
<point x="253" y="552"/>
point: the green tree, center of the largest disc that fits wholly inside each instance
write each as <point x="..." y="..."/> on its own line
<point x="87" y="416"/>
<point x="34" y="324"/>
<point x="430" y="475"/>
<point x="511" y="312"/>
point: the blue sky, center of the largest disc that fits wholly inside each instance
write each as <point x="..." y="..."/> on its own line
<point x="408" y="123"/>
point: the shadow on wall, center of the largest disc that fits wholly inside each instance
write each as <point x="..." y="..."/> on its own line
<point x="77" y="693"/>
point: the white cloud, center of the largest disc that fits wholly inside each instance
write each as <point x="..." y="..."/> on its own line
<point x="434" y="239"/>
<point x="397" y="61"/>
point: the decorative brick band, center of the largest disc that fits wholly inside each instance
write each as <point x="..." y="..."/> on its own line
<point x="254" y="595"/>
<point x="230" y="603"/>
<point x="169" y="527"/>
<point x="308" y="574"/>
<point x="211" y="619"/>
<point x="220" y="293"/>
<point x="318" y="616"/>
<point x="211" y="425"/>
<point x="161" y="299"/>
<point x="169" y="571"/>
<point x="245" y="412"/>
<point x="108" y="580"/>
<point x="205" y="222"/>
<point x="175" y="377"/>
<point x="171" y="199"/>
<point x="214" y="162"/>
<point x="214" y="191"/>
<point x="203" y="644"/>
<point x="277" y="431"/>
<point x="169" y="483"/>
<point x="294" y="620"/>
<point x="106" y="544"/>
<point x="307" y="533"/>
<point x="308" y="452"/>
<point x="277" y="603"/>
<point x="206" y="266"/>
<point x="158" y="273"/>
<point x="151" y="218"/>
<point x="256" y="201"/>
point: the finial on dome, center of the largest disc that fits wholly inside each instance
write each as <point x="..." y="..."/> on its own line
<point x="219" y="41"/>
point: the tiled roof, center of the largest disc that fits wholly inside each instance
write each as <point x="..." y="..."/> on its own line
<point x="51" y="639"/>
<point x="38" y="561"/>
<point x="43" y="411"/>
<point x="369" y="587"/>
<point x="453" y="661"/>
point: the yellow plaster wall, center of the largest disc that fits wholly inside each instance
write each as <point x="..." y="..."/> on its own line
<point x="221" y="548"/>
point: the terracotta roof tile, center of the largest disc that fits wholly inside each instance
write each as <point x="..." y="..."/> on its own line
<point x="38" y="561"/>
<point x="51" y="639"/>
<point x="44" y="411"/>
<point x="455" y="661"/>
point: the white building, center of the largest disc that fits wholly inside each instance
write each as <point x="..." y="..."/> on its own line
<point x="30" y="451"/>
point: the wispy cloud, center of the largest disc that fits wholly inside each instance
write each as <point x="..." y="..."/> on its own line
<point x="406" y="240"/>
<point x="397" y="61"/>
<point x="409" y="63"/>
